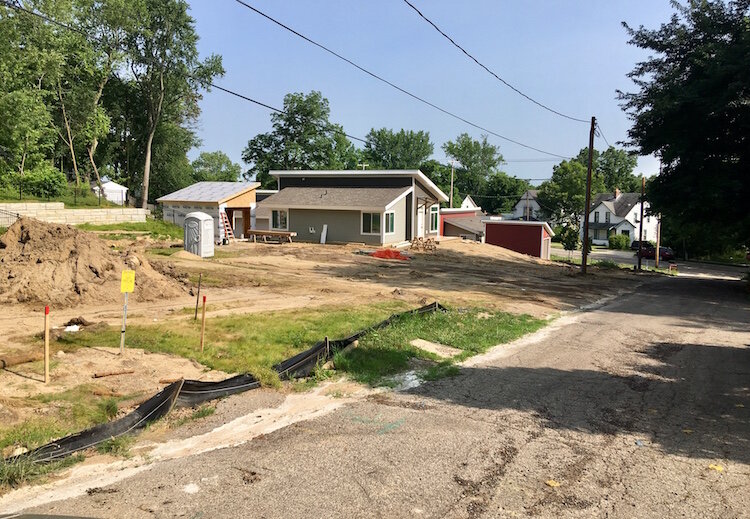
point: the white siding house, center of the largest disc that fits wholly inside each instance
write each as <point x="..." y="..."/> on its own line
<point x="527" y="208"/>
<point x="619" y="213"/>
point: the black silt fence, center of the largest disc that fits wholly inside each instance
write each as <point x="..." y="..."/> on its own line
<point x="189" y="393"/>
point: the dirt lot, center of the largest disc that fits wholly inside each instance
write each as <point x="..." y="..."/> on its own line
<point x="243" y="278"/>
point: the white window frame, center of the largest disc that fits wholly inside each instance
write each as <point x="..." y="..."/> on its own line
<point x="596" y="216"/>
<point x="287" y="220"/>
<point x="362" y="225"/>
<point x="434" y="209"/>
<point x="385" y="222"/>
<point x="607" y="217"/>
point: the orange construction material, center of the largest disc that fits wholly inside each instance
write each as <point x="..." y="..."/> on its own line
<point x="389" y="254"/>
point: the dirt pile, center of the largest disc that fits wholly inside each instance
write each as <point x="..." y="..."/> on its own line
<point x="60" y="265"/>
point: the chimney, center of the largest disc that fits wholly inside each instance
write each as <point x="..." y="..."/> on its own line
<point x="617" y="193"/>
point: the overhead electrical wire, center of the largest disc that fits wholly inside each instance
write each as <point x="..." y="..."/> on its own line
<point x="390" y="83"/>
<point x="601" y="133"/>
<point x="213" y="85"/>
<point x="475" y="60"/>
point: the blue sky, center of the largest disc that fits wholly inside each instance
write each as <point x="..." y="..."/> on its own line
<point x="569" y="54"/>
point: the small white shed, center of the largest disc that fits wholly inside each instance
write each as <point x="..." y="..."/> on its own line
<point x="113" y="192"/>
<point x="199" y="234"/>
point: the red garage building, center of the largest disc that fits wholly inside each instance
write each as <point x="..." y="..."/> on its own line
<point x="532" y="238"/>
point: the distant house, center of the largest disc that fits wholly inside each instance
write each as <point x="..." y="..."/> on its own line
<point x="532" y="238"/>
<point x="236" y="200"/>
<point x="376" y="207"/>
<point x="527" y="207"/>
<point x="113" y="192"/>
<point x="465" y="221"/>
<point x="619" y="213"/>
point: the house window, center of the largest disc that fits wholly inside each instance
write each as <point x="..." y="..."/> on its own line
<point x="390" y="220"/>
<point x="625" y="232"/>
<point x="606" y="217"/>
<point x="370" y="223"/>
<point x="596" y="217"/>
<point x="645" y="235"/>
<point x="434" y="218"/>
<point x="279" y="220"/>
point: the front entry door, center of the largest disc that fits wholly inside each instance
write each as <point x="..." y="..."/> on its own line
<point x="420" y="222"/>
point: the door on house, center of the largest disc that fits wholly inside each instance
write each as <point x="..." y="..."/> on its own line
<point x="420" y="221"/>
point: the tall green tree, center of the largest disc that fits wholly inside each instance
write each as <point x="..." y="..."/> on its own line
<point x="405" y="149"/>
<point x="215" y="166"/>
<point x="477" y="160"/>
<point x="691" y="108"/>
<point x="501" y="193"/>
<point x="615" y="166"/>
<point x="563" y="197"/>
<point x="302" y="138"/>
<point x="164" y="61"/>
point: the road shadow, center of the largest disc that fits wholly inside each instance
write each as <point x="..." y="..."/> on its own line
<point x="714" y="303"/>
<point x="686" y="399"/>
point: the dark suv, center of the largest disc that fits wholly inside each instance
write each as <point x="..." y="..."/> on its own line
<point x="634" y="245"/>
<point x="665" y="253"/>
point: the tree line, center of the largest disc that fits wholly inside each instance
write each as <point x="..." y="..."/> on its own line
<point x="110" y="87"/>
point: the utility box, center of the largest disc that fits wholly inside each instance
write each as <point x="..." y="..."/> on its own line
<point x="199" y="234"/>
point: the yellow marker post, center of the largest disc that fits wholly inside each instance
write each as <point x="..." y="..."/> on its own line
<point x="127" y="285"/>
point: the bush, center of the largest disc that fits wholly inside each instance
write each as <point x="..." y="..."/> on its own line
<point x="570" y="238"/>
<point x="619" y="241"/>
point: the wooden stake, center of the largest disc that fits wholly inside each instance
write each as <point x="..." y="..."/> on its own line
<point x="46" y="344"/>
<point x="198" y="296"/>
<point x="203" y="322"/>
<point x="328" y="348"/>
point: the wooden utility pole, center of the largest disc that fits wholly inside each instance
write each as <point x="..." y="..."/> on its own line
<point x="451" y="197"/>
<point x="585" y="244"/>
<point x="640" y="233"/>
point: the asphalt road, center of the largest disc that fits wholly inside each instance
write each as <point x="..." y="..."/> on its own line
<point x="640" y="408"/>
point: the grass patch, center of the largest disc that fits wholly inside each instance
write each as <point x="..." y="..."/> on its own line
<point x="15" y="473"/>
<point x="385" y="352"/>
<point x="154" y="228"/>
<point x="119" y="446"/>
<point x="72" y="197"/>
<point x="162" y="251"/>
<point x="71" y="411"/>
<point x="442" y="370"/>
<point x="197" y="414"/>
<point x="603" y="264"/>
<point x="250" y="343"/>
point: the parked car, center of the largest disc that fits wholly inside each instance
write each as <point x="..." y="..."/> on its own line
<point x="665" y="253"/>
<point x="634" y="245"/>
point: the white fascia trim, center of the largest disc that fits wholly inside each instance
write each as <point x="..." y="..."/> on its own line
<point x="447" y="210"/>
<point x="399" y="198"/>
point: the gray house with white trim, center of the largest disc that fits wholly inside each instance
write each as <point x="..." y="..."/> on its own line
<point x="376" y="207"/>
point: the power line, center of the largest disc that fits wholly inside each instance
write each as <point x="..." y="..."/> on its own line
<point x="213" y="85"/>
<point x="601" y="133"/>
<point x="278" y="110"/>
<point x="391" y="84"/>
<point x="475" y="60"/>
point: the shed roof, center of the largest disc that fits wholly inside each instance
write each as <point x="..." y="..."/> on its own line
<point x="491" y="221"/>
<point x="217" y="192"/>
<point x="337" y="198"/>
<point x="472" y="224"/>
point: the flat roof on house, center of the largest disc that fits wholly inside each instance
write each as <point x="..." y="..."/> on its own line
<point x="217" y="192"/>
<point x="335" y="198"/>
<point x="414" y="173"/>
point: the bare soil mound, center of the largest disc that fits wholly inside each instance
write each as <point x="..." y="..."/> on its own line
<point x="61" y="265"/>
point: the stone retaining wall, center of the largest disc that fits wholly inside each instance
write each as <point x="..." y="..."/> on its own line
<point x="55" y="212"/>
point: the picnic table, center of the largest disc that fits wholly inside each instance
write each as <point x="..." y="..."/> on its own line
<point x="280" y="236"/>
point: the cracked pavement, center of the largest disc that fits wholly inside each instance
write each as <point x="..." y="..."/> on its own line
<point x="640" y="408"/>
